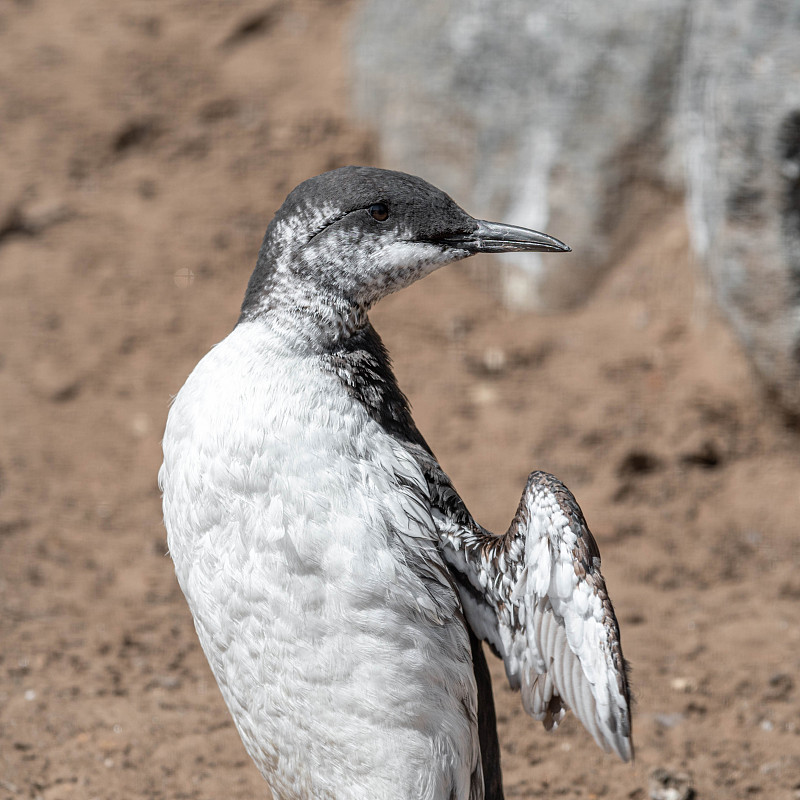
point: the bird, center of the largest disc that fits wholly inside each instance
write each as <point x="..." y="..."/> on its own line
<point x="339" y="586"/>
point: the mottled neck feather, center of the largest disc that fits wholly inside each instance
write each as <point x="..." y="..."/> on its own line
<point x="362" y="364"/>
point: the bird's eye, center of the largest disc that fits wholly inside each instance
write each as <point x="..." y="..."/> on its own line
<point x="379" y="212"/>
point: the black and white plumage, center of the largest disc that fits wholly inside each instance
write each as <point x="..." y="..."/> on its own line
<point x="338" y="584"/>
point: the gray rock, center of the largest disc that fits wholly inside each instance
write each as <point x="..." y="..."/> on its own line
<point x="740" y="112"/>
<point x="536" y="113"/>
<point x="544" y="114"/>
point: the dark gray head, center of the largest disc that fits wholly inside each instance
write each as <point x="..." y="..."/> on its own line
<point x="346" y="238"/>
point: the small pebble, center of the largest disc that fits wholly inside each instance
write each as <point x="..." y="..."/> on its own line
<point x="666" y="785"/>
<point x="494" y="359"/>
<point x="140" y="425"/>
<point x="183" y="277"/>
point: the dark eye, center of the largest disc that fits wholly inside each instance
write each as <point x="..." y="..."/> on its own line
<point x="379" y="211"/>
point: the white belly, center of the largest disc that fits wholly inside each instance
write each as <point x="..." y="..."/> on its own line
<point x="348" y="675"/>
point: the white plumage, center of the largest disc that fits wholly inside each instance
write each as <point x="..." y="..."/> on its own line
<point x="281" y="503"/>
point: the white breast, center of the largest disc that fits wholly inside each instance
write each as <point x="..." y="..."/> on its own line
<point x="289" y="533"/>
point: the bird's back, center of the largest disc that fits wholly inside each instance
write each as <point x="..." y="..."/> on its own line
<point x="302" y="538"/>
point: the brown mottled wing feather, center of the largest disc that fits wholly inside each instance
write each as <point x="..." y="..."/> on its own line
<point x="538" y="597"/>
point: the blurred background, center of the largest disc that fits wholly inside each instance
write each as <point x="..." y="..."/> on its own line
<point x="144" y="146"/>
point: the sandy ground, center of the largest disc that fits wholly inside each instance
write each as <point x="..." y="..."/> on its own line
<point x="143" y="148"/>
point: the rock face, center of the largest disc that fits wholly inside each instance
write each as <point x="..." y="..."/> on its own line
<point x="533" y="113"/>
<point x="740" y="118"/>
<point x="542" y="114"/>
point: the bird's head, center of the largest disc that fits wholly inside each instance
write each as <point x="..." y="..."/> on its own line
<point x="346" y="238"/>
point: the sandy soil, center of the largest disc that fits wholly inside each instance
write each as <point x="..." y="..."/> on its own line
<point x="143" y="148"/>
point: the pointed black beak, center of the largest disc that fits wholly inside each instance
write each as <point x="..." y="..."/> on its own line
<point x="496" y="237"/>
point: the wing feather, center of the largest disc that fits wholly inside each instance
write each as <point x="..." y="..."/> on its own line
<point x="538" y="596"/>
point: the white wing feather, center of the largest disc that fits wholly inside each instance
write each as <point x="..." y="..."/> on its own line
<point x="538" y="597"/>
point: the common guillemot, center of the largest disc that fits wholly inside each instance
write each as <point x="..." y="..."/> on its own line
<point x="339" y="585"/>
